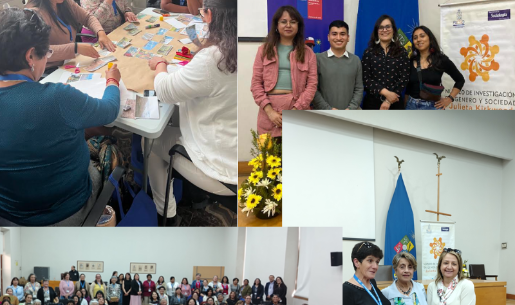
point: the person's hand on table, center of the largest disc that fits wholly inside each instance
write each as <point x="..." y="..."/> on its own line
<point x="129" y="16"/>
<point x="154" y="61"/>
<point x="105" y="42"/>
<point x="114" y="73"/>
<point x="87" y="50"/>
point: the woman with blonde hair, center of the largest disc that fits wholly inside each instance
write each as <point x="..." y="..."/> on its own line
<point x="450" y="286"/>
<point x="404" y="289"/>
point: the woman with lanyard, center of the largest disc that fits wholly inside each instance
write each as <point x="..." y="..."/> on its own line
<point x="110" y="13"/>
<point x="113" y="292"/>
<point x="126" y="286"/>
<point x="82" y="284"/>
<point x="46" y="294"/>
<point x="32" y="286"/>
<point x="160" y="283"/>
<point x="178" y="298"/>
<point x="182" y="6"/>
<point x="185" y="287"/>
<point x="65" y="17"/>
<point x="226" y="288"/>
<point x="149" y="286"/>
<point x="17" y="289"/>
<point x="136" y="290"/>
<point x="66" y="287"/>
<point x="361" y="288"/>
<point x="404" y="290"/>
<point x="450" y="286"/>
<point x="96" y="286"/>
<point x="85" y="295"/>
<point x="257" y="292"/>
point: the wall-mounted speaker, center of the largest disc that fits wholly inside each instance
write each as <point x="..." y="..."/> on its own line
<point x="336" y="259"/>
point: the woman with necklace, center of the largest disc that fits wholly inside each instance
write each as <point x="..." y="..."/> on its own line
<point x="96" y="286"/>
<point x="362" y="288"/>
<point x="404" y="290"/>
<point x="450" y="286"/>
<point x="32" y="286"/>
<point x="113" y="291"/>
<point x="66" y="287"/>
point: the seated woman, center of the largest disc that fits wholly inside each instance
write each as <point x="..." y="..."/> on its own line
<point x="46" y="294"/>
<point x="154" y="298"/>
<point x="46" y="174"/>
<point x="178" y="298"/>
<point x="28" y="299"/>
<point x="65" y="17"/>
<point x="206" y="89"/>
<point x="13" y="299"/>
<point x="362" y="288"/>
<point x="80" y="298"/>
<point x="404" y="290"/>
<point x="110" y="13"/>
<point x="450" y="286"/>
<point x="182" y="6"/>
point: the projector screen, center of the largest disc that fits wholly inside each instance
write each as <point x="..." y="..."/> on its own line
<point x="341" y="194"/>
<point x="252" y="18"/>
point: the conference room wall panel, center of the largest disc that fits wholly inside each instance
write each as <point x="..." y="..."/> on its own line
<point x="174" y="251"/>
<point x="506" y="260"/>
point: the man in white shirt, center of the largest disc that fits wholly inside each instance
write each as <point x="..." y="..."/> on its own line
<point x="269" y="288"/>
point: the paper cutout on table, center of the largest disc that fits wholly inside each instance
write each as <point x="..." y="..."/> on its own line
<point x="124" y="42"/>
<point x="160" y="12"/>
<point x="174" y="29"/>
<point x="147" y="107"/>
<point x="69" y="77"/>
<point x="144" y="55"/>
<point x="176" y="24"/>
<point x="99" y="63"/>
<point x="141" y="15"/>
<point x="93" y="87"/>
<point x="130" y="27"/>
<point x="124" y="96"/>
<point x="187" y="19"/>
<point x="130" y="113"/>
<point x="192" y="34"/>
<point x="148" y="36"/>
<point x="134" y="32"/>
<point x="201" y="28"/>
<point x="166" y="40"/>
<point x="151" y="19"/>
<point x="131" y="52"/>
<point x="185" y="41"/>
<point x="103" y="53"/>
<point x="150" y="45"/>
<point x="164" y="50"/>
<point x="162" y="31"/>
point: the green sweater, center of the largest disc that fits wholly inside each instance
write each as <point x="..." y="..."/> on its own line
<point x="340" y="82"/>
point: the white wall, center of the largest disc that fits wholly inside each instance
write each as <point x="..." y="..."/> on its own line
<point x="507" y="228"/>
<point x="253" y="14"/>
<point x="175" y="251"/>
<point x="11" y="251"/>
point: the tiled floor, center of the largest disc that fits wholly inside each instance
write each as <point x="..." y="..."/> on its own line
<point x="253" y="221"/>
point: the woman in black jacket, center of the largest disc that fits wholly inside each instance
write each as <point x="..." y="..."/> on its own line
<point x="280" y="289"/>
<point x="136" y="291"/>
<point x="46" y="294"/>
<point x="257" y="292"/>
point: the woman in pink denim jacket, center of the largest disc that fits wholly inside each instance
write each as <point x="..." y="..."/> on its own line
<point x="285" y="71"/>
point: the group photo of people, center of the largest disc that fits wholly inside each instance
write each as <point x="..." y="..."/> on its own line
<point x="58" y="153"/>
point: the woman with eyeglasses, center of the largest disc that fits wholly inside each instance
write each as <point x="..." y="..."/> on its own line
<point x="206" y="90"/>
<point x="404" y="290"/>
<point x="385" y="67"/>
<point x="182" y="6"/>
<point x="32" y="286"/>
<point x="285" y="71"/>
<point x="362" y="288"/>
<point x="64" y="18"/>
<point x="433" y="64"/>
<point x="45" y="169"/>
<point x="450" y="286"/>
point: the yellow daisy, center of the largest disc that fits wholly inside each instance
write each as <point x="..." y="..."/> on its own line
<point x="253" y="201"/>
<point x="255" y="177"/>
<point x="273" y="161"/>
<point x="278" y="192"/>
<point x="272" y="174"/>
<point x="262" y="140"/>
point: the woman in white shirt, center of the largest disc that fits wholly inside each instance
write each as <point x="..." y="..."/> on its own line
<point x="171" y="286"/>
<point x="206" y="91"/>
<point x="450" y="287"/>
<point x="404" y="290"/>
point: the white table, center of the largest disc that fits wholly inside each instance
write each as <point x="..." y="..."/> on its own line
<point x="148" y="129"/>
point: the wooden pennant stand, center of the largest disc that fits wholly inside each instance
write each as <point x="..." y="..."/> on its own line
<point x="438" y="213"/>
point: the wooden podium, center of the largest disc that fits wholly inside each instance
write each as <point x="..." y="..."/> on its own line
<point x="487" y="292"/>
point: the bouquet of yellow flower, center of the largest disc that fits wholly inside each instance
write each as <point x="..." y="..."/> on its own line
<point x="465" y="270"/>
<point x="261" y="193"/>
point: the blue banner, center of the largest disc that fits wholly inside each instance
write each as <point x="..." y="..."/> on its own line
<point x="404" y="12"/>
<point x="317" y="14"/>
<point x="400" y="227"/>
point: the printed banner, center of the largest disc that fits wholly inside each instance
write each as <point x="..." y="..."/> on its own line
<point x="478" y="38"/>
<point x="435" y="237"/>
<point x="317" y="14"/>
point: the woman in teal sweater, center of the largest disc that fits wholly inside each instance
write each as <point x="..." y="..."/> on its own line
<point x="44" y="161"/>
